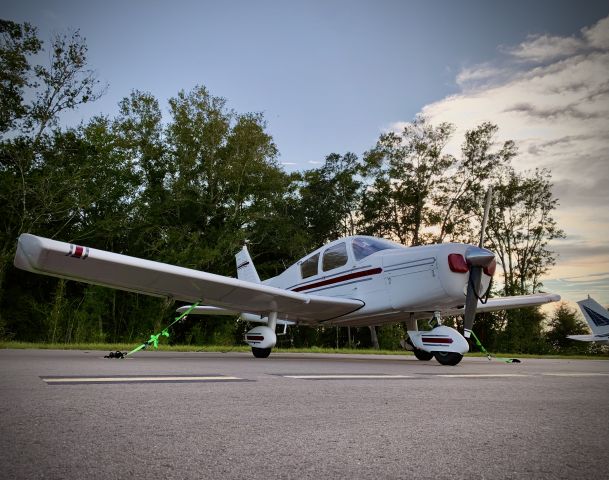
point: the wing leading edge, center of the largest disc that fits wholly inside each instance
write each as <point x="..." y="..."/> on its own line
<point x="64" y="260"/>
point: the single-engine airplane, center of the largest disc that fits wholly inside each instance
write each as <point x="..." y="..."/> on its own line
<point x="356" y="281"/>
<point x="352" y="281"/>
<point x="598" y="320"/>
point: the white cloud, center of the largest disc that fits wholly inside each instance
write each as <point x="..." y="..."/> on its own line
<point x="551" y="95"/>
<point x="542" y="48"/>
<point x="598" y="35"/>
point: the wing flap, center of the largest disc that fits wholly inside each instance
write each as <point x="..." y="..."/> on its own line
<point x="46" y="256"/>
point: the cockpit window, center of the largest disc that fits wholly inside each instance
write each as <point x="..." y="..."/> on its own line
<point x="362" y="247"/>
<point x="335" y="256"/>
<point x="308" y="267"/>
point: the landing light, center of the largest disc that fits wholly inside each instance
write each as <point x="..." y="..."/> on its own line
<point x="457" y="263"/>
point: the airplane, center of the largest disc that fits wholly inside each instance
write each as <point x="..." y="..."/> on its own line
<point x="598" y="320"/>
<point x="353" y="281"/>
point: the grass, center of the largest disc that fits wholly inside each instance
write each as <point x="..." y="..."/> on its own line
<point x="108" y="347"/>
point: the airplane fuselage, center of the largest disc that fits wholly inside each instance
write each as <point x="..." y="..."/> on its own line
<point x="391" y="281"/>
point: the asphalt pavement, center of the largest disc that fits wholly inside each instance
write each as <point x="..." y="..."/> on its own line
<point x="75" y="414"/>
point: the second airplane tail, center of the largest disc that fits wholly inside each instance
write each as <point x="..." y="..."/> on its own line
<point x="596" y="316"/>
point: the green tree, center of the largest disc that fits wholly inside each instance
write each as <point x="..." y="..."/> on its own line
<point x="407" y="169"/>
<point x="565" y="322"/>
<point x="458" y="200"/>
<point x="18" y="42"/>
<point x="520" y="226"/>
<point x="330" y="197"/>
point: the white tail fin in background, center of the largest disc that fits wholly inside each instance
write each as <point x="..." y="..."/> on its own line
<point x="245" y="267"/>
<point x="596" y="316"/>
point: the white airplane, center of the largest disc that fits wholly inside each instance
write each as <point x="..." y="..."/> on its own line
<point x="598" y="320"/>
<point x="356" y="281"/>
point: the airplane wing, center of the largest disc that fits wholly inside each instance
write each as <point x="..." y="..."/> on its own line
<point x="64" y="260"/>
<point x="507" y="303"/>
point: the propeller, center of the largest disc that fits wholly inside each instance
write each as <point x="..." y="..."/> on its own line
<point x="478" y="258"/>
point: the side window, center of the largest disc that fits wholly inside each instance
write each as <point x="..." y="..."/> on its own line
<point x="308" y="267"/>
<point x="335" y="257"/>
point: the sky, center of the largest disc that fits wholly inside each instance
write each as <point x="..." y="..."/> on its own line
<point x="330" y="76"/>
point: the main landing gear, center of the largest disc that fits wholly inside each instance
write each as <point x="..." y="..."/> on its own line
<point x="448" y="358"/>
<point x="262" y="339"/>
<point x="422" y="354"/>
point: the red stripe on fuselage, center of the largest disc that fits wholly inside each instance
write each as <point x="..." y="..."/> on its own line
<point x="443" y="340"/>
<point x="78" y="252"/>
<point x="342" y="278"/>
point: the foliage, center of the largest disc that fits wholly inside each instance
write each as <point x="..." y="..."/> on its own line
<point x="190" y="188"/>
<point x="565" y="322"/>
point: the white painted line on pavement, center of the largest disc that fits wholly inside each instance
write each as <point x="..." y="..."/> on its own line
<point x="481" y="375"/>
<point x="345" y="377"/>
<point x="151" y="379"/>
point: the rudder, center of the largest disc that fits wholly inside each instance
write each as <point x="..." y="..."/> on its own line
<point x="245" y="266"/>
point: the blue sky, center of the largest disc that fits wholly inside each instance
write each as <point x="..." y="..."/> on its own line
<point x="330" y="76"/>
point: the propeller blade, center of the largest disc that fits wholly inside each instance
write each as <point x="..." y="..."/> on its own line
<point x="477" y="259"/>
<point x="471" y="300"/>
<point x="487" y="207"/>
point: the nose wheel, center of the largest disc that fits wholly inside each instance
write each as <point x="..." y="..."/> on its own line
<point x="448" y="358"/>
<point x="261" y="352"/>
<point x="422" y="354"/>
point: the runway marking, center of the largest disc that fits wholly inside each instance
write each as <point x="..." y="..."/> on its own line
<point x="348" y="377"/>
<point x="576" y="374"/>
<point x="479" y="375"/>
<point x="77" y="380"/>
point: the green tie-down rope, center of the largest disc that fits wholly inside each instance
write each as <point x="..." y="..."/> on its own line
<point x="488" y="355"/>
<point x="154" y="339"/>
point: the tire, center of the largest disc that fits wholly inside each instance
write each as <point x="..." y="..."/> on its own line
<point x="261" y="352"/>
<point x="422" y="354"/>
<point x="448" y="358"/>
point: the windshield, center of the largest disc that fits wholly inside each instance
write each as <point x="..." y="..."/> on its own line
<point x="364" y="246"/>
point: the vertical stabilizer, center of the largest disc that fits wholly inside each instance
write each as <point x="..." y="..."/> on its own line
<point x="596" y="316"/>
<point x="245" y="267"/>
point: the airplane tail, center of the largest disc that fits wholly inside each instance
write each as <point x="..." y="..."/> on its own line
<point x="245" y="266"/>
<point x="596" y="316"/>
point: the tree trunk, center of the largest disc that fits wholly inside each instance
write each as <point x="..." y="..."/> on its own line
<point x="373" y="337"/>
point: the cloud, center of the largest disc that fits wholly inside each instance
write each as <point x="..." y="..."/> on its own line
<point x="542" y="48"/>
<point x="550" y="94"/>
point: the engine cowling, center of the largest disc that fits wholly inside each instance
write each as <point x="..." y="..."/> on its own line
<point x="440" y="339"/>
<point x="261" y="337"/>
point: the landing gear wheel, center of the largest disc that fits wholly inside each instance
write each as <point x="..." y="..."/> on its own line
<point x="261" y="352"/>
<point x="422" y="354"/>
<point x="448" y="358"/>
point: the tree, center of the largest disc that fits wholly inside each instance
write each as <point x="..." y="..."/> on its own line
<point x="17" y="43"/>
<point x="330" y="197"/>
<point x="458" y="200"/>
<point x="28" y="189"/>
<point x="520" y="225"/>
<point x="565" y="322"/>
<point x="407" y="170"/>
